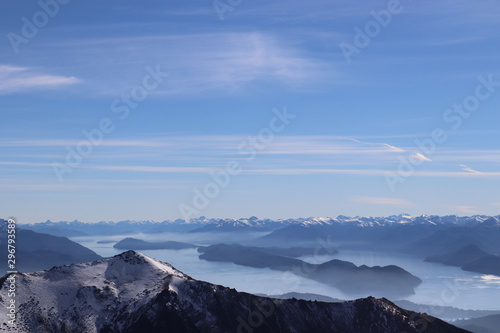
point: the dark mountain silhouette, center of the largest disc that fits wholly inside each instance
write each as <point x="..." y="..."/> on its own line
<point x="37" y="251"/>
<point x="486" y="265"/>
<point x="487" y="324"/>
<point x="138" y="244"/>
<point x="443" y="312"/>
<point x="293" y="252"/>
<point x="484" y="236"/>
<point x="470" y="258"/>
<point x="388" y="280"/>
<point x="460" y="257"/>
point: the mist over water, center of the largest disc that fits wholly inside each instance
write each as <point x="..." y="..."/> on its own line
<point x="442" y="285"/>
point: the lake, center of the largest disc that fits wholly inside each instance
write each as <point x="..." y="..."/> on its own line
<point x="442" y="285"/>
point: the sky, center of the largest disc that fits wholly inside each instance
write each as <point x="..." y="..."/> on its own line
<point x="156" y="110"/>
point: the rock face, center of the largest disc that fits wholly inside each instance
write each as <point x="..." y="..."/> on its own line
<point x="134" y="293"/>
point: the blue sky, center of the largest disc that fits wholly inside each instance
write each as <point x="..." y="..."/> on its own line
<point x="200" y="88"/>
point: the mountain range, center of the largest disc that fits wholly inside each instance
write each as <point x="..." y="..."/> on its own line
<point x="421" y="236"/>
<point x="37" y="251"/>
<point x="131" y="292"/>
<point x="203" y="224"/>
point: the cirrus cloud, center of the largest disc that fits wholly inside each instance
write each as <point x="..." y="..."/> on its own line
<point x="18" y="79"/>
<point x="468" y="209"/>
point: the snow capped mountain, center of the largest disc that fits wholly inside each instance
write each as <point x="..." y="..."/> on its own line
<point x="77" y="228"/>
<point x="134" y="293"/>
<point x="84" y="297"/>
<point x="3" y="225"/>
<point x="491" y="222"/>
<point x="242" y="224"/>
<point x="256" y="222"/>
<point x="204" y="224"/>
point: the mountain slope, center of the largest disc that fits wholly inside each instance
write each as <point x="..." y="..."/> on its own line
<point x="368" y="233"/>
<point x="470" y="258"/>
<point x="486" y="265"/>
<point x="463" y="256"/>
<point x="134" y="293"/>
<point x="487" y="324"/>
<point x="484" y="235"/>
<point x="388" y="281"/>
<point x="37" y="251"/>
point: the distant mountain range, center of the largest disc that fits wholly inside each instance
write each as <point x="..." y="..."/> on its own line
<point x="484" y="235"/>
<point x="203" y="224"/>
<point x="418" y="235"/>
<point x="77" y="228"/>
<point x="131" y="292"/>
<point x="37" y="251"/>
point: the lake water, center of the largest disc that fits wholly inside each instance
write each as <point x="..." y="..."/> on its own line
<point x="442" y="285"/>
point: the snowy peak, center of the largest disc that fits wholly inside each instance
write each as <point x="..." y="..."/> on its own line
<point x="83" y="297"/>
<point x="203" y="224"/>
<point x="490" y="222"/>
<point x="131" y="292"/>
<point x="3" y="225"/>
<point x="135" y="266"/>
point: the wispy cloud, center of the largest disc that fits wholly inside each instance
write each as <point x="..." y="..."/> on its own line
<point x="200" y="62"/>
<point x="229" y="145"/>
<point x="381" y="201"/>
<point x="468" y="209"/>
<point x="390" y="147"/>
<point x="421" y="157"/>
<point x="91" y="184"/>
<point x="18" y="79"/>
<point x="231" y="61"/>
<point x="65" y="142"/>
<point x="139" y="168"/>
<point x="468" y="169"/>
<point x="367" y="172"/>
<point x="286" y="155"/>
